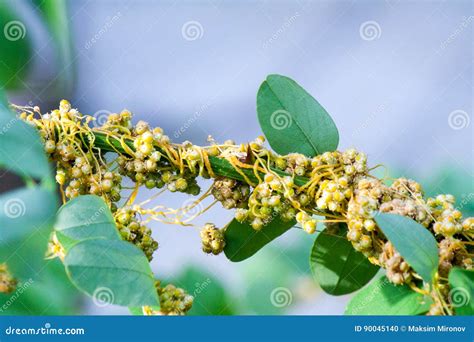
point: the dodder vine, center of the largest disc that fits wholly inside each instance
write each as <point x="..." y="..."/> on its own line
<point x="305" y="181"/>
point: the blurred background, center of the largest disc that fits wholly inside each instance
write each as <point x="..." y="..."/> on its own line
<point x="396" y="76"/>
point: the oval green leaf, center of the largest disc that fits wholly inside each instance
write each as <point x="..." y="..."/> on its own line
<point x="337" y="266"/>
<point x="21" y="150"/>
<point x="461" y="294"/>
<point x="242" y="241"/>
<point x="381" y="297"/>
<point x="85" y="217"/>
<point x="413" y="241"/>
<point x="111" y="271"/>
<point x="292" y="120"/>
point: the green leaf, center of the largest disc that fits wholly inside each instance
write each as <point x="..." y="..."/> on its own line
<point x="24" y="211"/>
<point x="413" y="241"/>
<point x="15" y="48"/>
<point x="292" y="120"/>
<point x="111" y="271"/>
<point x="337" y="266"/>
<point x="21" y="150"/>
<point x="242" y="241"/>
<point x="381" y="297"/>
<point x="85" y="217"/>
<point x="461" y="295"/>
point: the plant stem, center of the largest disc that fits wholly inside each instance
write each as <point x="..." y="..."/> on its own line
<point x="220" y="166"/>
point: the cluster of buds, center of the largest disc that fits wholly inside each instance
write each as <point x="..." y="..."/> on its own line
<point x="448" y="219"/>
<point x="403" y="197"/>
<point x="149" y="167"/>
<point x="398" y="270"/>
<point x="332" y="174"/>
<point x="231" y="193"/>
<point x="294" y="164"/>
<point x="7" y="281"/>
<point x="269" y="198"/>
<point x="368" y="195"/>
<point x="212" y="239"/>
<point x="79" y="171"/>
<point x="355" y="163"/>
<point x="144" y="166"/>
<point x="449" y="255"/>
<point x="135" y="232"/>
<point x="468" y="224"/>
<point x="306" y="221"/>
<point x="117" y="122"/>
<point x="409" y="208"/>
<point x="334" y="195"/>
<point x="174" y="301"/>
<point x="81" y="179"/>
<point x="339" y="170"/>
<point x="404" y="188"/>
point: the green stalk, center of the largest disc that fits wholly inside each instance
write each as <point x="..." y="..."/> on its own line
<point x="220" y="166"/>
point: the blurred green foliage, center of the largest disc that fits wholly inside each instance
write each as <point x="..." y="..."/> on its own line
<point x="15" y="48"/>
<point x="210" y="297"/>
<point x="52" y="294"/>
